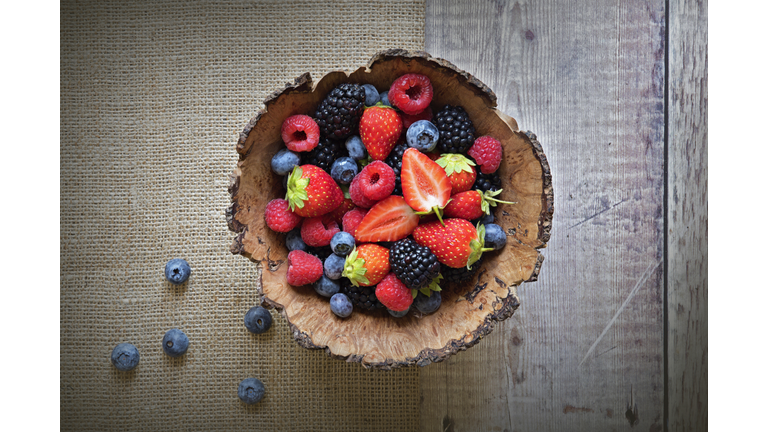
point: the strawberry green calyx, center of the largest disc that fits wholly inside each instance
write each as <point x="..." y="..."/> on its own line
<point x="454" y="163"/>
<point x="354" y="269"/>
<point x="297" y="189"/>
<point x="437" y="210"/>
<point x="487" y="200"/>
<point x="477" y="246"/>
<point x="345" y="190"/>
<point x="433" y="286"/>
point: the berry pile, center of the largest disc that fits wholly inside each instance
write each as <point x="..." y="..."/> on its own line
<point x="385" y="202"/>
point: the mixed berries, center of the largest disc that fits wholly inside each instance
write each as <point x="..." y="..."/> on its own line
<point x="385" y="201"/>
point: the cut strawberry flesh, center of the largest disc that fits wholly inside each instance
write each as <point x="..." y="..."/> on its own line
<point x="425" y="185"/>
<point x="389" y="220"/>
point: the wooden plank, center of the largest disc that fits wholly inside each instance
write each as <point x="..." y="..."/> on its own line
<point x="585" y="349"/>
<point x="687" y="216"/>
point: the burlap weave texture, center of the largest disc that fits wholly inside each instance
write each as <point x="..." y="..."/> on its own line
<point x="153" y="97"/>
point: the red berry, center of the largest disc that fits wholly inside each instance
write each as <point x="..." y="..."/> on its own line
<point x="357" y="196"/>
<point x="411" y="93"/>
<point x="279" y="216"/>
<point x="318" y="231"/>
<point x="300" y="133"/>
<point x="380" y="128"/>
<point x="393" y="294"/>
<point x="389" y="220"/>
<point x="352" y="219"/>
<point x="341" y="210"/>
<point x="377" y="181"/>
<point x="486" y="151"/>
<point x="303" y="268"/>
<point x="408" y="119"/>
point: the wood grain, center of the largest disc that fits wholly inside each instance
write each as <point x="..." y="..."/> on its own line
<point x="687" y="216"/>
<point x="585" y="349"/>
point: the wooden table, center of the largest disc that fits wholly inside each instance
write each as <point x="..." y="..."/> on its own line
<point x="614" y="333"/>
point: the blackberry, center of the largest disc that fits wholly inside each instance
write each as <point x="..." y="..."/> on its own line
<point x="414" y="265"/>
<point x="457" y="134"/>
<point x="395" y="160"/>
<point x="323" y="156"/>
<point x="339" y="113"/>
<point x="360" y="296"/>
<point x="321" y="252"/>
<point x="458" y="275"/>
<point x="486" y="182"/>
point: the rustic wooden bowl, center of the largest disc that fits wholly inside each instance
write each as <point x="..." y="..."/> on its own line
<point x="469" y="311"/>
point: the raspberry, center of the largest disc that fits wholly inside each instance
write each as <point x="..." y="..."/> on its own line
<point x="377" y="181"/>
<point x="279" y="216"/>
<point x="411" y="93"/>
<point x="341" y="210"/>
<point x="486" y="151"/>
<point x="356" y="194"/>
<point x="300" y="133"/>
<point x="393" y="294"/>
<point x="303" y="268"/>
<point x="318" y="231"/>
<point x="352" y="219"/>
<point x="408" y="119"/>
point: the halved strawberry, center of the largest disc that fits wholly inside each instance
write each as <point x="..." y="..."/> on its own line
<point x="389" y="220"/>
<point x="425" y="186"/>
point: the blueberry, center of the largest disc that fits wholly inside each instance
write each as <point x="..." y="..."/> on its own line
<point x="356" y="148"/>
<point x="333" y="266"/>
<point x="326" y="287"/>
<point x="371" y="95"/>
<point x="344" y="169"/>
<point x="342" y="243"/>
<point x="341" y="306"/>
<point x="125" y="357"/>
<point x="177" y="271"/>
<point x="258" y="320"/>
<point x="423" y="136"/>
<point x="175" y="343"/>
<point x="427" y="305"/>
<point x="250" y="391"/>
<point x="495" y="237"/>
<point x="399" y="314"/>
<point x="284" y="161"/>
<point x="486" y="219"/>
<point x="384" y="97"/>
<point x="293" y="240"/>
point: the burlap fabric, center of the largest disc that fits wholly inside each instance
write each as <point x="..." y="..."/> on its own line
<point x="153" y="97"/>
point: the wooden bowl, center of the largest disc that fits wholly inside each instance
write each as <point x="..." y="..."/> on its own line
<point x="468" y="312"/>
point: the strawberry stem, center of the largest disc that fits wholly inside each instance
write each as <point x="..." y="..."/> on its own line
<point x="439" y="214"/>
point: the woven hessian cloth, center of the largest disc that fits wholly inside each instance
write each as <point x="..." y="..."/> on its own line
<point x="153" y="97"/>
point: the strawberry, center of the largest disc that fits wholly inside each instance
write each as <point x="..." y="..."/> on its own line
<point x="389" y="220"/>
<point x="425" y="186"/>
<point x="460" y="171"/>
<point x="312" y="192"/>
<point x="367" y="264"/>
<point x="380" y="128"/>
<point x="472" y="204"/>
<point x="456" y="244"/>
